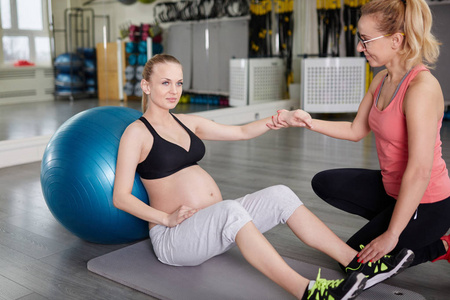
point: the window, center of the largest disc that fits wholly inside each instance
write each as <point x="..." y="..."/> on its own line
<point x="24" y="32"/>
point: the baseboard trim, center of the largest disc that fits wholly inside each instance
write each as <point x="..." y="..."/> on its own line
<point x="22" y="151"/>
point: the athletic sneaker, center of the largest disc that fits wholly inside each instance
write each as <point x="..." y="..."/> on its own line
<point x="384" y="268"/>
<point x="343" y="289"/>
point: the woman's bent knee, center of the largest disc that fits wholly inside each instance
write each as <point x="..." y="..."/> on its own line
<point x="233" y="217"/>
<point x="284" y="196"/>
<point x="271" y="206"/>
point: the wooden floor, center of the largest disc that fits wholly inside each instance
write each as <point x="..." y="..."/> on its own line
<point x="39" y="259"/>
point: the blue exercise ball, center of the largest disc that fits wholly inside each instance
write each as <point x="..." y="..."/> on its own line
<point x="92" y="90"/>
<point x="77" y="177"/>
<point x="68" y="62"/>
<point x="69" y="80"/>
<point x="87" y="53"/>
<point x="67" y="90"/>
<point x="91" y="82"/>
<point x="89" y="66"/>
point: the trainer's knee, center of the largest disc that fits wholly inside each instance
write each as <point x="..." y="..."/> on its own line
<point x="318" y="178"/>
<point x="319" y="183"/>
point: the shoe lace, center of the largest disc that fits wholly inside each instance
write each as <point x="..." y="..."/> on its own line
<point x="321" y="286"/>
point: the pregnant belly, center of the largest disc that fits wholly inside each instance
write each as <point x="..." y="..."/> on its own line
<point x="192" y="187"/>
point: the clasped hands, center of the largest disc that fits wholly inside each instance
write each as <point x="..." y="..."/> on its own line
<point x="294" y="118"/>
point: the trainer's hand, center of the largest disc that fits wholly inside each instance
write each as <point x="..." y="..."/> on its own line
<point x="295" y="118"/>
<point x="378" y="248"/>
<point x="179" y="215"/>
<point x="275" y="125"/>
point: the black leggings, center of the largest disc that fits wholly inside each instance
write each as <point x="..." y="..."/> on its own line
<point x="361" y="192"/>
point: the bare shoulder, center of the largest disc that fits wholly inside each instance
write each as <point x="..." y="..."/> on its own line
<point x="425" y="78"/>
<point x="424" y="95"/>
<point x="136" y="132"/>
<point x="135" y="144"/>
<point x="425" y="85"/>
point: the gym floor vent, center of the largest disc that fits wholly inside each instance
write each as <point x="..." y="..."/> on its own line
<point x="50" y="91"/>
<point x="49" y="73"/>
<point x="17" y="74"/>
<point x="21" y="93"/>
<point x="26" y="84"/>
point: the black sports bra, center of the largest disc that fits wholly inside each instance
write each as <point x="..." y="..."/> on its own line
<point x="166" y="158"/>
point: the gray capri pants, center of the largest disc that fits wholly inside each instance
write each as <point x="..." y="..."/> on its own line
<point x="212" y="230"/>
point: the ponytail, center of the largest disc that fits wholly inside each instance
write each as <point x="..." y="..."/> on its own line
<point x="144" y="102"/>
<point x="414" y="19"/>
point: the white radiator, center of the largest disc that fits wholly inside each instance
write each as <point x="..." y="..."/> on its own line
<point x="26" y="84"/>
<point x="256" y="80"/>
<point x="333" y="85"/>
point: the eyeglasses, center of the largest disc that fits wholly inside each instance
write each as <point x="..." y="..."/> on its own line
<point x="364" y="42"/>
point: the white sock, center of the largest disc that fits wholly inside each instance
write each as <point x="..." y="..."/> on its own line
<point x="311" y="284"/>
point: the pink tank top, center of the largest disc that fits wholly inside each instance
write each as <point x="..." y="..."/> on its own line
<point x="389" y="127"/>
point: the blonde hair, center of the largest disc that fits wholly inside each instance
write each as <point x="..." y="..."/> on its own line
<point x="414" y="19"/>
<point x="148" y="71"/>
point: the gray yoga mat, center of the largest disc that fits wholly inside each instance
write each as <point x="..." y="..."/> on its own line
<point x="227" y="276"/>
